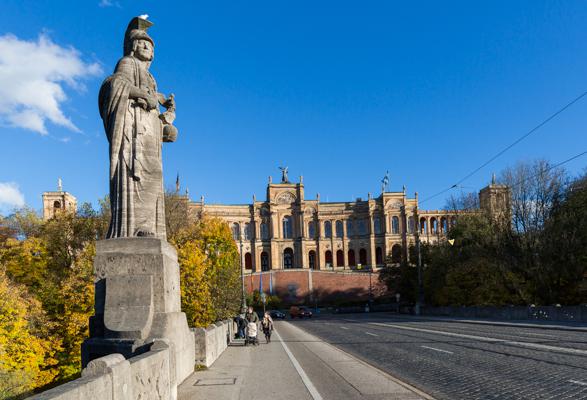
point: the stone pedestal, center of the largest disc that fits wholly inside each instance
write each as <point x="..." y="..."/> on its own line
<point x="137" y="301"/>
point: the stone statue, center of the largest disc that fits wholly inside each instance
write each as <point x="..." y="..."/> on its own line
<point x="129" y="107"/>
<point x="284" y="178"/>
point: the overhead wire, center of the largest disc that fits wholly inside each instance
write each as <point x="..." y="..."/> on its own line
<point x="501" y="152"/>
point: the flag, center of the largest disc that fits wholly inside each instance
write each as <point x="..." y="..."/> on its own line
<point x="261" y="282"/>
<point x="270" y="283"/>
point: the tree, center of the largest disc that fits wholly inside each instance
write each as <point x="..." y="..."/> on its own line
<point x="26" y="355"/>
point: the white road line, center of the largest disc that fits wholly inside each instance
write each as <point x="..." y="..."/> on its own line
<point x="487" y="339"/>
<point x="578" y="382"/>
<point x="344" y="327"/>
<point x="535" y="334"/>
<point x="307" y="382"/>
<point x="371" y="334"/>
<point x="435" y="349"/>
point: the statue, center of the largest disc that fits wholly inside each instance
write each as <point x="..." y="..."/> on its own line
<point x="129" y="107"/>
<point x="284" y="178"/>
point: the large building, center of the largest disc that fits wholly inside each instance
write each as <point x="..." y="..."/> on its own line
<point x="59" y="201"/>
<point x="289" y="231"/>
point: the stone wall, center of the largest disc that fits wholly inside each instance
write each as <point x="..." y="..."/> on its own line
<point x="540" y="313"/>
<point x="149" y="376"/>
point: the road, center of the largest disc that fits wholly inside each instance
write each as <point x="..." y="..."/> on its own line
<point x="460" y="360"/>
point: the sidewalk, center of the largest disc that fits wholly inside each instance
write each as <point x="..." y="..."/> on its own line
<point x="295" y="365"/>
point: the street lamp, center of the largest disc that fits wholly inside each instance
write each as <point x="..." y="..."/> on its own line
<point x="244" y="299"/>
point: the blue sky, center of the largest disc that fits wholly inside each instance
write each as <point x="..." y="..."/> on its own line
<point x="338" y="91"/>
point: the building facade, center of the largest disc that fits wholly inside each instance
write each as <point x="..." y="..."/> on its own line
<point x="288" y="231"/>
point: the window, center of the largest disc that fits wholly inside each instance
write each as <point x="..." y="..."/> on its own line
<point x="328" y="258"/>
<point x="363" y="257"/>
<point x="312" y="259"/>
<point x="396" y="254"/>
<point x="248" y="261"/>
<point x="264" y="231"/>
<point x="287" y="227"/>
<point x="453" y="221"/>
<point x="56" y="204"/>
<point x="443" y="225"/>
<point x="378" y="256"/>
<point x="433" y="225"/>
<point x="288" y="258"/>
<point x="349" y="227"/>
<point x="236" y="231"/>
<point x="247" y="233"/>
<point x="264" y="261"/>
<point x="311" y="229"/>
<point x="395" y="225"/>
<point x="327" y="229"/>
<point x="411" y="225"/>
<point x="362" y="226"/>
<point x="352" y="261"/>
<point x="377" y="225"/>
<point x="423" y="225"/>
<point x="339" y="230"/>
<point x="339" y="258"/>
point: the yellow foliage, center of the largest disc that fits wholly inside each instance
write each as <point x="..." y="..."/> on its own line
<point x="26" y="359"/>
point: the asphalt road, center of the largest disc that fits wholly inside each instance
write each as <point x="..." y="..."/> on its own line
<point x="458" y="360"/>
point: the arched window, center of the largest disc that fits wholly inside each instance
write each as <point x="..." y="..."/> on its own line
<point x="264" y="231"/>
<point x="363" y="257"/>
<point x="396" y="254"/>
<point x="395" y="225"/>
<point x="433" y="225"/>
<point x="453" y="221"/>
<point x="362" y="226"/>
<point x="236" y="231"/>
<point x="443" y="225"/>
<point x="248" y="261"/>
<point x="339" y="230"/>
<point x="247" y="233"/>
<point x="288" y="258"/>
<point x="411" y="225"/>
<point x="352" y="261"/>
<point x="312" y="259"/>
<point x="328" y="258"/>
<point x="327" y="229"/>
<point x="311" y="229"/>
<point x="378" y="256"/>
<point x="349" y="228"/>
<point x="423" y="225"/>
<point x="339" y="258"/>
<point x="377" y="225"/>
<point x="264" y="261"/>
<point x="287" y="227"/>
<point x="57" y="204"/>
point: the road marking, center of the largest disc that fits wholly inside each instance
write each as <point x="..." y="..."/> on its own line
<point x="307" y="382"/>
<point x="350" y="320"/>
<point x="435" y="349"/>
<point x="371" y="334"/>
<point x="578" y="382"/>
<point x="535" y="334"/>
<point x="344" y="327"/>
<point x="487" y="339"/>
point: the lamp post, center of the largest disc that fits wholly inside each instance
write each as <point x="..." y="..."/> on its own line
<point x="419" y="288"/>
<point x="244" y="299"/>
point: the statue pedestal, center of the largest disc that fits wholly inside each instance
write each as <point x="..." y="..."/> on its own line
<point x="137" y="301"/>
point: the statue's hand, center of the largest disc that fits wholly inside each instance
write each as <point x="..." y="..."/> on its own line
<point x="152" y="102"/>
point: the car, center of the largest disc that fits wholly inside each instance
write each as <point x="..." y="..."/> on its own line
<point x="276" y="314"/>
<point x="300" y="312"/>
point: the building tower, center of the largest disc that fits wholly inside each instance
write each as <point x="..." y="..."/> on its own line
<point x="495" y="200"/>
<point x="59" y="201"/>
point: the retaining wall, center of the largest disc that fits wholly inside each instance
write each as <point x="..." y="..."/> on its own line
<point x="149" y="376"/>
<point x="540" y="313"/>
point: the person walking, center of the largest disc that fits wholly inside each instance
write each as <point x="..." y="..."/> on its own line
<point x="267" y="325"/>
<point x="241" y="324"/>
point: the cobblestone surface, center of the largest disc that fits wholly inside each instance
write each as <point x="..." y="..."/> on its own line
<point x="449" y="367"/>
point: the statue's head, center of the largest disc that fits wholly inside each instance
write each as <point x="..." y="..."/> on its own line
<point x="136" y="40"/>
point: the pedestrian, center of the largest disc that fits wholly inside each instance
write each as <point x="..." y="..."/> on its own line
<point x="252" y="316"/>
<point x="241" y="324"/>
<point x="267" y="325"/>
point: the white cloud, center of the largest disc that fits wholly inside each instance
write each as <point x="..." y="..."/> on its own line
<point x="33" y="75"/>
<point x="10" y="197"/>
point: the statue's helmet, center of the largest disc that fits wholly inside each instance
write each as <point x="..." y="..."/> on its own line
<point x="136" y="30"/>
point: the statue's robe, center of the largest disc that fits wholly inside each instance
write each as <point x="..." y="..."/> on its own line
<point x="135" y="136"/>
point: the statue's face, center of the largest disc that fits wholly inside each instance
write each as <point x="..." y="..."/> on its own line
<point x="144" y="50"/>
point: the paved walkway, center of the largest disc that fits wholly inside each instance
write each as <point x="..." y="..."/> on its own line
<point x="295" y="365"/>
